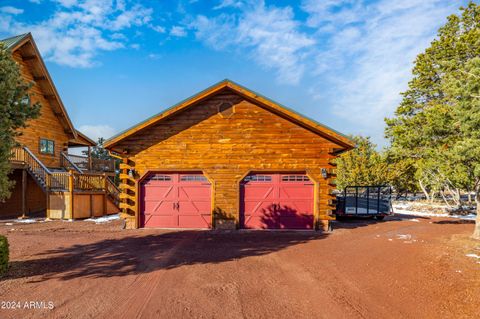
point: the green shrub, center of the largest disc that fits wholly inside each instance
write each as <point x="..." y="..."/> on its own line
<point x="3" y="255"/>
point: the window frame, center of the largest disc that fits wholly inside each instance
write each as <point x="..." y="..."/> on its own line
<point x="47" y="144"/>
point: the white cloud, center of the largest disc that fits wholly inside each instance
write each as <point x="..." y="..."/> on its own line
<point x="228" y="3"/>
<point x="78" y="30"/>
<point x="96" y="131"/>
<point x="270" y="35"/>
<point x="154" y="56"/>
<point x="11" y="10"/>
<point x="178" y="31"/>
<point x="158" y="28"/>
<point x="369" y="54"/>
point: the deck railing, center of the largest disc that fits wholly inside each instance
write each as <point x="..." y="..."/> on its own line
<point x="71" y="181"/>
<point x="59" y="181"/>
<point x="86" y="163"/>
<point x="88" y="182"/>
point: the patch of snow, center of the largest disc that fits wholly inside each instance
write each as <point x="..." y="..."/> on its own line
<point x="103" y="219"/>
<point x="407" y="236"/>
<point x="425" y="214"/>
<point x="410" y="220"/>
<point x="26" y="221"/>
<point x="390" y="239"/>
<point x="8" y="224"/>
<point x="473" y="256"/>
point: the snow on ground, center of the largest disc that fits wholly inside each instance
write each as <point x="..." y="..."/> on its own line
<point x="473" y="256"/>
<point x="27" y="220"/>
<point x="103" y="219"/>
<point x="415" y="210"/>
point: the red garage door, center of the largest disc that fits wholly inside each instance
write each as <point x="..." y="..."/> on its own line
<point x="276" y="201"/>
<point x="175" y="200"/>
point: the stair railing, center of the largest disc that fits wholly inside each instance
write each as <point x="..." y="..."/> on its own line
<point x="65" y="159"/>
<point x="112" y="190"/>
<point x="36" y="167"/>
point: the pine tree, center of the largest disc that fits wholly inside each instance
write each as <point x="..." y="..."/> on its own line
<point x="15" y="110"/>
<point x="435" y="125"/>
<point x="461" y="156"/>
<point x="422" y="124"/>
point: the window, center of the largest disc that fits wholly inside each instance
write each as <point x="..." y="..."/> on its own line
<point x="193" y="178"/>
<point x="295" y="178"/>
<point x="26" y="100"/>
<point x="258" y="178"/>
<point x="158" y="177"/>
<point x="47" y="146"/>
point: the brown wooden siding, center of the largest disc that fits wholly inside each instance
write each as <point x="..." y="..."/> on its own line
<point x="226" y="148"/>
<point x="47" y="125"/>
<point x="36" y="200"/>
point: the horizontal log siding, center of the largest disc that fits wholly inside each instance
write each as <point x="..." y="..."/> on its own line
<point x="47" y="125"/>
<point x="227" y="148"/>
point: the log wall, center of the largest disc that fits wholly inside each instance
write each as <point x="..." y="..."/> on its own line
<point x="227" y="136"/>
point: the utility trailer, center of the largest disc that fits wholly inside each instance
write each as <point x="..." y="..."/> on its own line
<point x="365" y="201"/>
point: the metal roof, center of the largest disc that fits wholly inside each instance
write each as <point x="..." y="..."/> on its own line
<point x="12" y="41"/>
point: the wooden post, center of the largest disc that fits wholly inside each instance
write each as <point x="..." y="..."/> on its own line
<point x="71" y="191"/>
<point x="89" y="158"/>
<point x="24" y="192"/>
<point x="47" y="191"/>
<point x="105" y="192"/>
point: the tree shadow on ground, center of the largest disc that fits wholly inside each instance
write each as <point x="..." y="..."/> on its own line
<point x="455" y="222"/>
<point x="357" y="221"/>
<point x="151" y="252"/>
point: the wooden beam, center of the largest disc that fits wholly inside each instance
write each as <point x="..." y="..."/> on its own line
<point x="39" y="78"/>
<point x="29" y="57"/>
<point x="49" y="96"/>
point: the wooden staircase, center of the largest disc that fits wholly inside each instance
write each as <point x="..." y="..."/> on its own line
<point x="74" y="182"/>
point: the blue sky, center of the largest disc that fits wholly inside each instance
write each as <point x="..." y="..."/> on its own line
<point x="343" y="63"/>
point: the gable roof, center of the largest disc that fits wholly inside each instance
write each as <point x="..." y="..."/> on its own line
<point x="81" y="140"/>
<point x="269" y="104"/>
<point x="25" y="44"/>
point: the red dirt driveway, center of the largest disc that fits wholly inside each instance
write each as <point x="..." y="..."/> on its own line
<point x="400" y="268"/>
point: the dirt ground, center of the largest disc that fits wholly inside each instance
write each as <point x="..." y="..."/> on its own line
<point x="404" y="267"/>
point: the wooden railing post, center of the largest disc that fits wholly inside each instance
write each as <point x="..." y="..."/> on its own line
<point x="105" y="194"/>
<point x="89" y="159"/>
<point x="71" y="188"/>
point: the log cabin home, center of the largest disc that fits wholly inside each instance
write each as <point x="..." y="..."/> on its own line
<point x="228" y="158"/>
<point x="49" y="180"/>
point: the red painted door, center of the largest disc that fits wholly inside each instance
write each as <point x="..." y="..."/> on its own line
<point x="176" y="200"/>
<point x="276" y="201"/>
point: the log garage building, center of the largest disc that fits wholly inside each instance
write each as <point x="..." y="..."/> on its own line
<point x="228" y="158"/>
